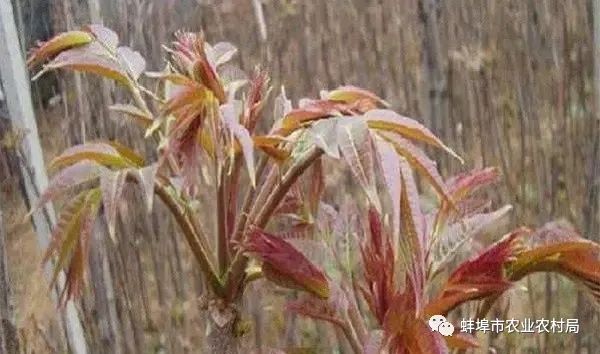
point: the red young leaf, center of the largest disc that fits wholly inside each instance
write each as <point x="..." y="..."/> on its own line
<point x="352" y="94"/>
<point x="462" y="188"/>
<point x="405" y="331"/>
<point x="412" y="218"/>
<point x="343" y="101"/>
<point x="312" y="110"/>
<point x="191" y="105"/>
<point x="314" y="308"/>
<point x="460" y="340"/>
<point x="286" y="266"/>
<point x="255" y="100"/>
<point x="464" y="185"/>
<point x="402" y="312"/>
<point x="481" y="277"/>
<point x="418" y="338"/>
<point x="132" y="157"/>
<point x="556" y="247"/>
<point x="378" y="266"/>
<point x="187" y="100"/>
<point x="191" y="59"/>
<point x="331" y="310"/>
<point x="412" y="224"/>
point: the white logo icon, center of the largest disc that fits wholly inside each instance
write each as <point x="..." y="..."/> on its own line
<point x="438" y="323"/>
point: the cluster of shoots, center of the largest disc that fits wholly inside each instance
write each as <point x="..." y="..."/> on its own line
<point x="260" y="172"/>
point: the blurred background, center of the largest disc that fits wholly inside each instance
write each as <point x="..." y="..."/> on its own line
<point x="506" y="83"/>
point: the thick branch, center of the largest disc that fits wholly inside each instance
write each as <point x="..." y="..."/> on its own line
<point x="286" y="183"/>
<point x="247" y="204"/>
<point x="236" y="273"/>
<point x="191" y="237"/>
<point x="222" y="239"/>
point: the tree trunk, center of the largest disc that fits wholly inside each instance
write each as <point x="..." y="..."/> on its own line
<point x="102" y="282"/>
<point x="18" y="99"/>
<point x="8" y="330"/>
<point x="434" y="81"/>
<point x="592" y="208"/>
<point x="221" y="336"/>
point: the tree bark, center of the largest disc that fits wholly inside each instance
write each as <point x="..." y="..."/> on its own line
<point x="8" y="331"/>
<point x="434" y="83"/>
<point x="220" y="332"/>
<point x="592" y="206"/>
<point x="104" y="296"/>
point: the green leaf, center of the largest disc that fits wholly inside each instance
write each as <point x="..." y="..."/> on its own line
<point x="102" y="153"/>
<point x="67" y="216"/>
<point x="79" y="259"/>
<point x="58" y="44"/>
<point x="133" y="158"/>
<point x="76" y="221"/>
